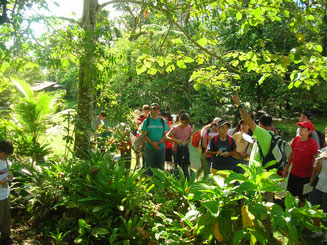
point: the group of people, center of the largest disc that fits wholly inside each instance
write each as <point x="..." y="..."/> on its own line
<point x="163" y="140"/>
<point x="223" y="148"/>
<point x="220" y="148"/>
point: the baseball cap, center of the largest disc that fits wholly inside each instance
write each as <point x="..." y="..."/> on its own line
<point x="222" y="122"/>
<point x="154" y="105"/>
<point x="306" y="124"/>
<point x="216" y="120"/>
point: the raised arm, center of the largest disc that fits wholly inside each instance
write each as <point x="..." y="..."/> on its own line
<point x="245" y="115"/>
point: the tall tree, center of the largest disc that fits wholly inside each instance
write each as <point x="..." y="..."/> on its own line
<point x="87" y="76"/>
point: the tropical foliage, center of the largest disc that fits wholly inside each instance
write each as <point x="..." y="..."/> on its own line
<point x="184" y="55"/>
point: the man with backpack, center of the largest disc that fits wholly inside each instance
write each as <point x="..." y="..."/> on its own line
<point x="154" y="129"/>
<point x="222" y="147"/>
<point x="264" y="137"/>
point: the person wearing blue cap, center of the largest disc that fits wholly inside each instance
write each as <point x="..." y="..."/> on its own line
<point x="154" y="129"/>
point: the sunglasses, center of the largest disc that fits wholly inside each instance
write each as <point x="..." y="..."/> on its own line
<point x="156" y="109"/>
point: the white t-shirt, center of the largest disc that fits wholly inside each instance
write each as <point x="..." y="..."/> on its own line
<point x="322" y="183"/>
<point x="4" y="189"/>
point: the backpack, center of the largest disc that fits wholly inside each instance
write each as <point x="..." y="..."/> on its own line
<point x="148" y="122"/>
<point x="196" y="138"/>
<point x="229" y="140"/>
<point x="321" y="137"/>
<point x="276" y="153"/>
<point x="162" y="122"/>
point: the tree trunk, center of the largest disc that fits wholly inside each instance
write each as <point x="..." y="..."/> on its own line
<point x="87" y="74"/>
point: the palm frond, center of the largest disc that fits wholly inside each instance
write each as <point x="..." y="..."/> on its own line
<point x="23" y="87"/>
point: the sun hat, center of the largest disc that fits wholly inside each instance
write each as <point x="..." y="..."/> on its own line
<point x="216" y="120"/>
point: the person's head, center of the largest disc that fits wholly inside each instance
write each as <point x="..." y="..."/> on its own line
<point x="306" y="116"/>
<point x="103" y="115"/>
<point x="137" y="112"/>
<point x="306" y="129"/>
<point x="146" y="110"/>
<point x="6" y="149"/>
<point x="243" y="127"/>
<point x="223" y="127"/>
<point x="184" y="120"/>
<point x="257" y="115"/>
<point x="215" y="121"/>
<point x="265" y="121"/>
<point x="164" y="115"/>
<point x="214" y="124"/>
<point x="155" y="109"/>
<point x="181" y="112"/>
<point x="169" y="116"/>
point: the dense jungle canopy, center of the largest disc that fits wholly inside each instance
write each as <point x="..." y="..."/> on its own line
<point x="183" y="54"/>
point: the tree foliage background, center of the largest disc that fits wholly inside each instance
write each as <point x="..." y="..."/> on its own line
<point x="183" y="54"/>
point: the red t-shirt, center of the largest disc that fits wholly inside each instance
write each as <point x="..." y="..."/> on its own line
<point x="303" y="152"/>
<point x="169" y="144"/>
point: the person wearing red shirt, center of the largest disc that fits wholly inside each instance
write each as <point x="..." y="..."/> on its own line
<point x="302" y="156"/>
<point x="169" y="144"/>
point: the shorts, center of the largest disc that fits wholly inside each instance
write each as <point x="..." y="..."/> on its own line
<point x="295" y="186"/>
<point x="169" y="155"/>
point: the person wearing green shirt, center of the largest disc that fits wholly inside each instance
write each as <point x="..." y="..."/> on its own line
<point x="260" y="131"/>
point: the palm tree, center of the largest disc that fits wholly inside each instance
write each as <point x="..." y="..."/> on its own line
<point x="31" y="115"/>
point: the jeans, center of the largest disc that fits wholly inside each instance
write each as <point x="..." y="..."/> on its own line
<point x="5" y="218"/>
<point x="154" y="159"/>
<point x="183" y="159"/>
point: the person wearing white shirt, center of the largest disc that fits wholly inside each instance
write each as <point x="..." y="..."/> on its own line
<point x="6" y="149"/>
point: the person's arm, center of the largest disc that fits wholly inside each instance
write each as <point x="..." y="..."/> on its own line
<point x="315" y="172"/>
<point x="213" y="153"/>
<point x="163" y="139"/>
<point x="245" y="115"/>
<point x="4" y="181"/>
<point x="188" y="141"/>
<point x="169" y="138"/>
<point x="239" y="155"/>
<point x="210" y="149"/>
<point x="165" y="131"/>
<point x="232" y="153"/>
<point x="289" y="162"/>
<point x="168" y="135"/>
<point x="206" y="140"/>
<point x="155" y="145"/>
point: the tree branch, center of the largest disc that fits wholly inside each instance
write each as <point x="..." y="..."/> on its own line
<point x="170" y="25"/>
<point x="120" y="1"/>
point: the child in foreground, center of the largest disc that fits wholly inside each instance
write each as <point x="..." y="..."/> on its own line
<point x="6" y="149"/>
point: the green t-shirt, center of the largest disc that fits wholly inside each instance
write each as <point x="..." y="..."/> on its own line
<point x="155" y="131"/>
<point x="264" y="138"/>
